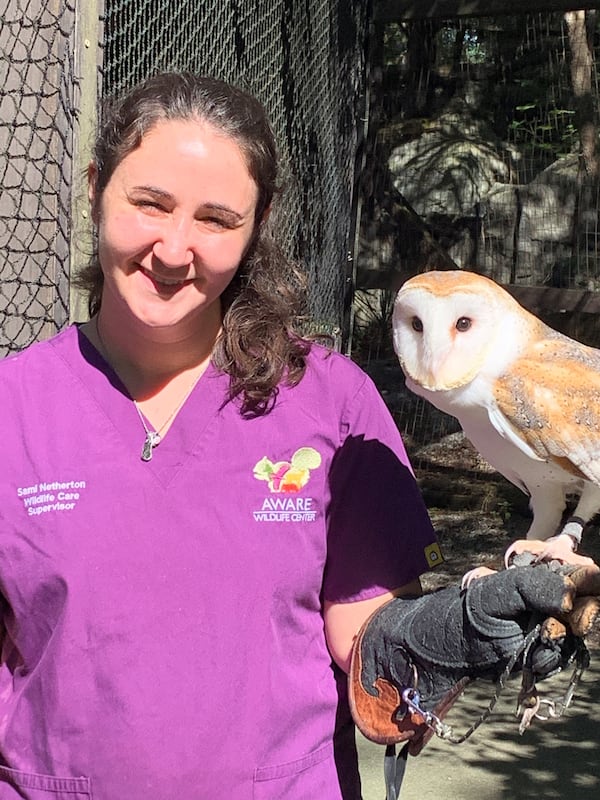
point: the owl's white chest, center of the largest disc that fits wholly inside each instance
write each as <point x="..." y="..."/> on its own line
<point x="526" y="471"/>
<point x="503" y="449"/>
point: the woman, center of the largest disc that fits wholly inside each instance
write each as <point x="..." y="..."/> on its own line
<point x="199" y="509"/>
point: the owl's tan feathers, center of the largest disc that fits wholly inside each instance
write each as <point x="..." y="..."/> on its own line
<point x="551" y="396"/>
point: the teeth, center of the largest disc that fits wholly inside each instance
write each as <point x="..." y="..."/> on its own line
<point x="168" y="283"/>
<point x="164" y="281"/>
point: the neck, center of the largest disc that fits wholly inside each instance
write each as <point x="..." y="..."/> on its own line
<point x="149" y="359"/>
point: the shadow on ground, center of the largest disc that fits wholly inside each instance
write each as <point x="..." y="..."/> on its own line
<point x="553" y="759"/>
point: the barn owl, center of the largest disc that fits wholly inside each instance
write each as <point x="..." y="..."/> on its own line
<point x="526" y="396"/>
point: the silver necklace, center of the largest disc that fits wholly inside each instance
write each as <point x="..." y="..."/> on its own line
<point x="153" y="436"/>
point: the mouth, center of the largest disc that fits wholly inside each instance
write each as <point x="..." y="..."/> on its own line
<point x="163" y="282"/>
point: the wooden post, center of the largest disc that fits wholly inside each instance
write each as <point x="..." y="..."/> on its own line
<point x="86" y="95"/>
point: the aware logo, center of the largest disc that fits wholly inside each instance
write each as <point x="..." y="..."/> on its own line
<point x="288" y="476"/>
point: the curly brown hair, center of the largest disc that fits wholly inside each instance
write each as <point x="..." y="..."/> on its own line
<point x="265" y="304"/>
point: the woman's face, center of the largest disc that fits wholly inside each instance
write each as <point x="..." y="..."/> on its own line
<point x="174" y="221"/>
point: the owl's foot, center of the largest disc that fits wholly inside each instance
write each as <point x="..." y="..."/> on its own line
<point x="556" y="548"/>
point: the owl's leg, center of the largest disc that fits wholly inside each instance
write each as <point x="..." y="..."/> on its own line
<point x="588" y="505"/>
<point x="547" y="503"/>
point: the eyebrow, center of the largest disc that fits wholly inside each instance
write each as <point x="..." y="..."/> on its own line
<point x="156" y="190"/>
<point x="226" y="210"/>
<point x="152" y="190"/>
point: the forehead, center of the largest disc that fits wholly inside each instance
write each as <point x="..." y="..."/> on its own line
<point x="194" y="148"/>
<point x="454" y="290"/>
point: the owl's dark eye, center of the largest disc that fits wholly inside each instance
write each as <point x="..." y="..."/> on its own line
<point x="463" y="324"/>
<point x="417" y="325"/>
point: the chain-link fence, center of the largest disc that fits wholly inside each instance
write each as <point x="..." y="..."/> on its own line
<point x="305" y="61"/>
<point x="484" y="155"/>
<point x="36" y="113"/>
<point x="485" y="150"/>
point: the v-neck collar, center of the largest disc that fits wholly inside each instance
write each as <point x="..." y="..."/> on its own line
<point x="113" y="400"/>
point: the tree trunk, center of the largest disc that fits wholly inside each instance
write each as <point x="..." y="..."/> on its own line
<point x="580" y="25"/>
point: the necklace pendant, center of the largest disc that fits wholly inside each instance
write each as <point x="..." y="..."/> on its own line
<point x="152" y="440"/>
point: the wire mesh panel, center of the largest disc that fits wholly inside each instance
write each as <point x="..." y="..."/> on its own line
<point x="304" y="61"/>
<point x="36" y="69"/>
<point x="485" y="149"/>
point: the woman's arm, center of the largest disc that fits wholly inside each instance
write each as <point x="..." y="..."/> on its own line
<point x="344" y="620"/>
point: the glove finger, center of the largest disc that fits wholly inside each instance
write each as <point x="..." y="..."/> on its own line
<point x="586" y="579"/>
<point x="583" y="616"/>
<point x="507" y="594"/>
<point x="553" y="630"/>
<point x="546" y="659"/>
<point x="544" y="590"/>
<point x="546" y="656"/>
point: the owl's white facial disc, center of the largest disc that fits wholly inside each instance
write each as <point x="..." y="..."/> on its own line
<point x="443" y="340"/>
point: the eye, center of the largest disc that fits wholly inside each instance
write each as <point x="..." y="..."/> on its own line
<point x="417" y="325"/>
<point x="216" y="222"/>
<point x="149" y="205"/>
<point x="463" y="324"/>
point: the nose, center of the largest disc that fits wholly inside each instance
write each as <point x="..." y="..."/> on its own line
<point x="174" y="244"/>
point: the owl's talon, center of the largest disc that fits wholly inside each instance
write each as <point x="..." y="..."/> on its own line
<point x="557" y="548"/>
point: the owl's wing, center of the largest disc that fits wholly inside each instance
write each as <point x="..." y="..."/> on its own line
<point x="504" y="427"/>
<point x="550" y="402"/>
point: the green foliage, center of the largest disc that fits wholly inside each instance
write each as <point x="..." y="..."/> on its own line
<point x="474" y="48"/>
<point x="553" y="132"/>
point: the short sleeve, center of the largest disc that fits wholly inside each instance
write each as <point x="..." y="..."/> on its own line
<point x="380" y="536"/>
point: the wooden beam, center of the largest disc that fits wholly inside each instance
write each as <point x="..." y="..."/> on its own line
<point x="537" y="299"/>
<point x="86" y="89"/>
<point x="396" y="10"/>
<point x="540" y="299"/>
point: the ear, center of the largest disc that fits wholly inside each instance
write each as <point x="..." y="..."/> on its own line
<point x="92" y="178"/>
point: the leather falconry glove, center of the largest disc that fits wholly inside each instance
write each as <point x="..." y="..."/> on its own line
<point x="438" y="642"/>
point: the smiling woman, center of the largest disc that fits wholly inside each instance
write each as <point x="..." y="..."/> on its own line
<point x="189" y="167"/>
<point x="237" y="498"/>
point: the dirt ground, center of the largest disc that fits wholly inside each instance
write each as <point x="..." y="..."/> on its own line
<point x="477" y="514"/>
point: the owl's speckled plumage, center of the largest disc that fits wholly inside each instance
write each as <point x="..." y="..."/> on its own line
<point x="526" y="396"/>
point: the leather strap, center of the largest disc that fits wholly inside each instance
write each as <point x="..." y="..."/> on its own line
<point x="394" y="767"/>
